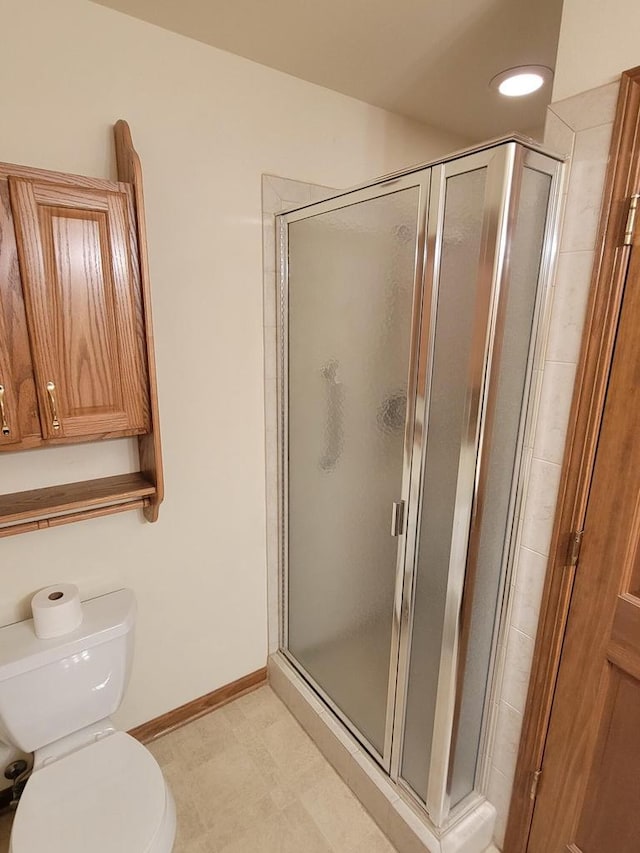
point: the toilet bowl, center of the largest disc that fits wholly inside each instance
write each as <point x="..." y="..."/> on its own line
<point x="93" y="789"/>
<point x="111" y="792"/>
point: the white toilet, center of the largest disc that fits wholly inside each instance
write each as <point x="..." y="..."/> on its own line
<point x="93" y="788"/>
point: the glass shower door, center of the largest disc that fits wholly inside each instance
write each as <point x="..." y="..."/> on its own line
<point x="352" y="302"/>
<point x="488" y="243"/>
<point x="451" y="418"/>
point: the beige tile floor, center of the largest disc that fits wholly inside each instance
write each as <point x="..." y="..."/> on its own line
<point x="247" y="779"/>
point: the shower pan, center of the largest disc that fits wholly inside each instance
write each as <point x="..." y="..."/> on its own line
<point x="410" y="310"/>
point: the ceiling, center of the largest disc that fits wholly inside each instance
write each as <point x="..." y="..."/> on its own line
<point x="427" y="59"/>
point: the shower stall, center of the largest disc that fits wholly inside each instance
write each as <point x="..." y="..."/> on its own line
<point x="410" y="310"/>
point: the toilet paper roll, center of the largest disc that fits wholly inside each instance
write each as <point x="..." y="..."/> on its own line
<point x="57" y="610"/>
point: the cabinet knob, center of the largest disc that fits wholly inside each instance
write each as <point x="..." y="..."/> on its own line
<point x="51" y="391"/>
<point x="3" y="415"/>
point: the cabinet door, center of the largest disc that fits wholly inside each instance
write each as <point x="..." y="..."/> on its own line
<point x="19" y="422"/>
<point x="80" y="278"/>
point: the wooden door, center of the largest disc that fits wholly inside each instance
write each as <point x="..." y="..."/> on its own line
<point x="80" y="276"/>
<point x="589" y="794"/>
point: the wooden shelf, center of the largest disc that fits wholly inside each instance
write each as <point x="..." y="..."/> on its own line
<point x="108" y="386"/>
<point x="118" y="491"/>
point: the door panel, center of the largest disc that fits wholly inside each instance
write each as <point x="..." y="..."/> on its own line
<point x="78" y="244"/>
<point x="80" y="278"/>
<point x="10" y="429"/>
<point x="351" y="276"/>
<point x="589" y="796"/>
<point x="20" y="425"/>
<point x="446" y="452"/>
<point x="608" y="821"/>
<point x="491" y="539"/>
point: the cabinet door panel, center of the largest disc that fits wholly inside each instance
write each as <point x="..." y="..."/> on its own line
<point x="78" y="245"/>
<point x="10" y="432"/>
<point x="80" y="279"/>
<point x="20" y="426"/>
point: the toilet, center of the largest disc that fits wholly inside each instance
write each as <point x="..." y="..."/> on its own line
<point x="93" y="788"/>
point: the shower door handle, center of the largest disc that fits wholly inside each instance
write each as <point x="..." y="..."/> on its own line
<point x="397" y="518"/>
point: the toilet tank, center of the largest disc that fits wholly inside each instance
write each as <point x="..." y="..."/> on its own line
<point x="52" y="688"/>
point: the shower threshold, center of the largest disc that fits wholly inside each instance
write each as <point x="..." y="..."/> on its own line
<point x="468" y="831"/>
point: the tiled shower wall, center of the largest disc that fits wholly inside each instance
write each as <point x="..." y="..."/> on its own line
<point x="579" y="127"/>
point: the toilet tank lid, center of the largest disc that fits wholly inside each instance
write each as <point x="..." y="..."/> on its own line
<point x="103" y="618"/>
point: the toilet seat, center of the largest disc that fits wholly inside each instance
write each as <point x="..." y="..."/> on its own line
<point x="108" y="797"/>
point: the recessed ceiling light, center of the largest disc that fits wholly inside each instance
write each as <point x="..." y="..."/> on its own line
<point x="522" y="80"/>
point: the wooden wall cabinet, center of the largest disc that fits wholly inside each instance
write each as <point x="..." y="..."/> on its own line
<point x="76" y="341"/>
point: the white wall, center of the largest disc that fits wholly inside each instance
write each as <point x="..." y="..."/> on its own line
<point x="598" y="40"/>
<point x="206" y="124"/>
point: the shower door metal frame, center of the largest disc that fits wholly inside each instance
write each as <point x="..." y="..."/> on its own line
<point x="526" y="158"/>
<point x="422" y="180"/>
<point x="498" y="163"/>
<point x="502" y="193"/>
<point x="504" y="160"/>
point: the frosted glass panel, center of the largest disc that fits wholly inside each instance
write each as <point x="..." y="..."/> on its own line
<point x="351" y="274"/>
<point x="461" y="242"/>
<point x="525" y="256"/>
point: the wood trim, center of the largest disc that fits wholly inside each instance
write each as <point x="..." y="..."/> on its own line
<point x="31" y="173"/>
<point x="32" y="442"/>
<point x="149" y="446"/>
<point x="172" y="720"/>
<point x="84" y="515"/>
<point x="623" y="178"/>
